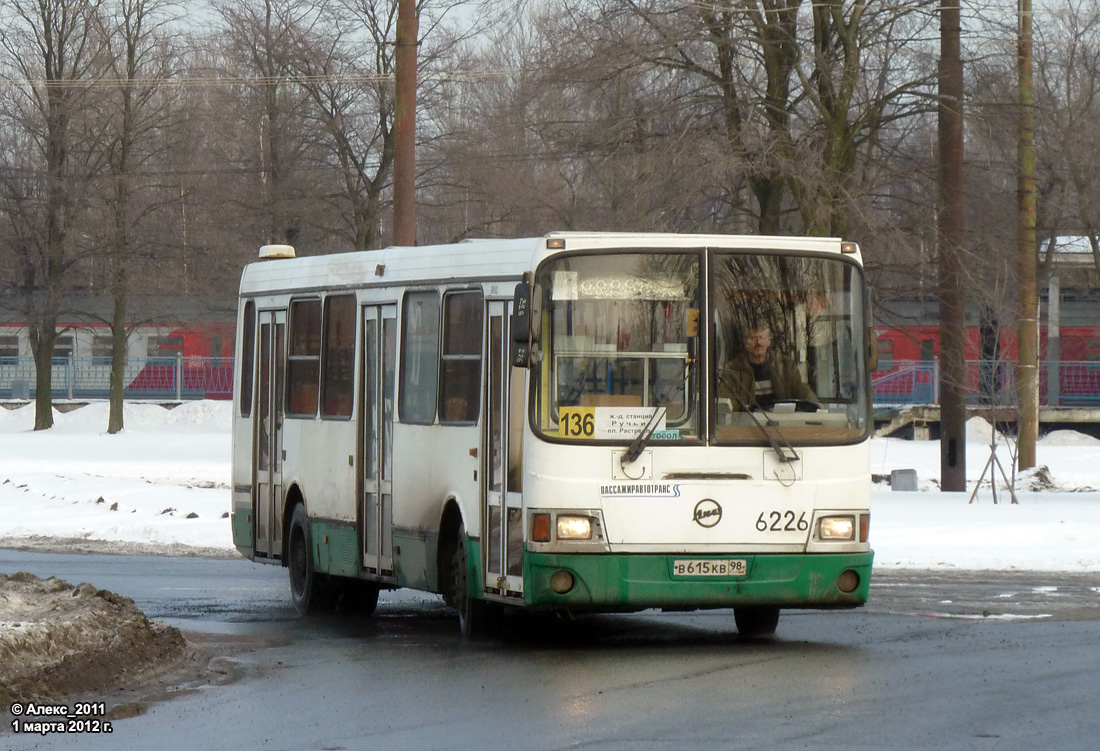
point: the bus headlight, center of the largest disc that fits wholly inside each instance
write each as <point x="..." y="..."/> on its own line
<point x="574" y="528"/>
<point x="836" y="528"/>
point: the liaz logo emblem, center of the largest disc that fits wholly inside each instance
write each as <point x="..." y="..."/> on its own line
<point x="707" y="513"/>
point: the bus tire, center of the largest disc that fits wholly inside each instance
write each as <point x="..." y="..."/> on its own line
<point x="476" y="617"/>
<point x="357" y="597"/>
<point x="306" y="584"/>
<point x="756" y="621"/>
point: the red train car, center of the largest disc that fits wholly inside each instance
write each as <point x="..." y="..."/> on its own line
<point x="175" y="347"/>
<point x="199" y="356"/>
<point x="908" y="333"/>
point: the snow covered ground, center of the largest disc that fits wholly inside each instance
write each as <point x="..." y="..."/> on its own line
<point x="163" y="483"/>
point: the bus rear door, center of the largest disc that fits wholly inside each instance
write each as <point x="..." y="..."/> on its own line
<point x="267" y="466"/>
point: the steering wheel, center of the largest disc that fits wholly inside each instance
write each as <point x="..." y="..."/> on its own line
<point x="800" y="405"/>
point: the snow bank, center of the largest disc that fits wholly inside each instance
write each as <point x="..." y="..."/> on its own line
<point x="165" y="481"/>
<point x="1068" y="438"/>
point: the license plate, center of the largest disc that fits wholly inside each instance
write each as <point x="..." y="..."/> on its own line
<point x="709" y="567"/>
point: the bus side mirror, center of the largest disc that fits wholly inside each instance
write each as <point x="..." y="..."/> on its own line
<point x="519" y="324"/>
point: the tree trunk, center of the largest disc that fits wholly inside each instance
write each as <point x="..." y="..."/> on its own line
<point x="115" y="418"/>
<point x="43" y="335"/>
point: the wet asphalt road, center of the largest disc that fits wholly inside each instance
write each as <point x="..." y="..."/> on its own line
<point x="935" y="661"/>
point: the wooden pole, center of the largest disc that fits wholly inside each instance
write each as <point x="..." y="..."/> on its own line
<point x="952" y="227"/>
<point x="1027" y="367"/>
<point x="404" y="126"/>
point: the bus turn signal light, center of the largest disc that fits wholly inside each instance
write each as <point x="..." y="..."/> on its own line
<point x="540" y="528"/>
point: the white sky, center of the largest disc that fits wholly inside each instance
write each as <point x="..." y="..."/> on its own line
<point x="51" y="483"/>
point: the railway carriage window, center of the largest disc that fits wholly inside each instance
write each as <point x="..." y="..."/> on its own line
<point x="460" y="366"/>
<point x="927" y="350"/>
<point x="419" y="357"/>
<point x="248" y="348"/>
<point x="63" y="347"/>
<point x="1092" y="351"/>
<point x="9" y="349"/>
<point x="164" y="346"/>
<point x="102" y="347"/>
<point x="339" y="356"/>
<point x="303" y="358"/>
<point x="885" y="354"/>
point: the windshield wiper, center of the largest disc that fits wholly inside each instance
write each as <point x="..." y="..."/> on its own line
<point x="784" y="450"/>
<point x="634" y="450"/>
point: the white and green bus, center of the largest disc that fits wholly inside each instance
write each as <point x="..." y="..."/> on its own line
<point x="550" y="424"/>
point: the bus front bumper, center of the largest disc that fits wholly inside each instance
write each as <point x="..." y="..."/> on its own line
<point x="610" y="582"/>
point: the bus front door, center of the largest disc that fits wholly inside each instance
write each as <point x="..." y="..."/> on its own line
<point x="376" y="450"/>
<point x="267" y="465"/>
<point x="502" y="504"/>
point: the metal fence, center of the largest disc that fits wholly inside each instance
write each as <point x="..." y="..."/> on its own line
<point x="180" y="378"/>
<point x="173" y="379"/>
<point x="1061" y="384"/>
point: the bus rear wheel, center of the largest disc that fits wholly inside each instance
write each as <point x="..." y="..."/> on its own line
<point x="477" y="619"/>
<point x="306" y="585"/>
<point x="356" y="597"/>
<point x="756" y="621"/>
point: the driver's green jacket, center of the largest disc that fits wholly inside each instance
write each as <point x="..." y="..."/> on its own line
<point x="737" y="382"/>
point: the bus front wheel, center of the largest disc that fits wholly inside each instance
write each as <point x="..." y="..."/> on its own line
<point x="305" y="583"/>
<point x="477" y="619"/>
<point x="756" y="621"/>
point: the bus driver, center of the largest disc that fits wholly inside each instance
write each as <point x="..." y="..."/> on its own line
<point x="758" y="377"/>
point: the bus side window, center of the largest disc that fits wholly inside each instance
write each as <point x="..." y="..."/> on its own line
<point x="303" y="358"/>
<point x="460" y="361"/>
<point x="419" y="357"/>
<point x="338" y="356"/>
<point x="248" y="347"/>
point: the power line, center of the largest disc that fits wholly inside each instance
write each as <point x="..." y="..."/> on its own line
<point x="469" y="76"/>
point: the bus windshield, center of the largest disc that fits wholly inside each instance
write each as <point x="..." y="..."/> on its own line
<point x="619" y="337"/>
<point x="788" y="344"/>
<point x="625" y="345"/>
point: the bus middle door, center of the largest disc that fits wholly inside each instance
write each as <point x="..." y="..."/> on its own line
<point x="376" y="501"/>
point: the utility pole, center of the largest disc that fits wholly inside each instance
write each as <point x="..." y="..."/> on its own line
<point x="404" y="126"/>
<point x="951" y="222"/>
<point x="952" y="226"/>
<point x="1027" y="366"/>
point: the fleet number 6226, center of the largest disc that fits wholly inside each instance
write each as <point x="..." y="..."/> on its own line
<point x="782" y="521"/>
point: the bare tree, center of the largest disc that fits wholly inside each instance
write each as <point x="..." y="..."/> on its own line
<point x="775" y="110"/>
<point x="261" y="36"/>
<point x="53" y="50"/>
<point x="867" y="73"/>
<point x="1067" y="72"/>
<point x="345" y="68"/>
<point x="140" y="64"/>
